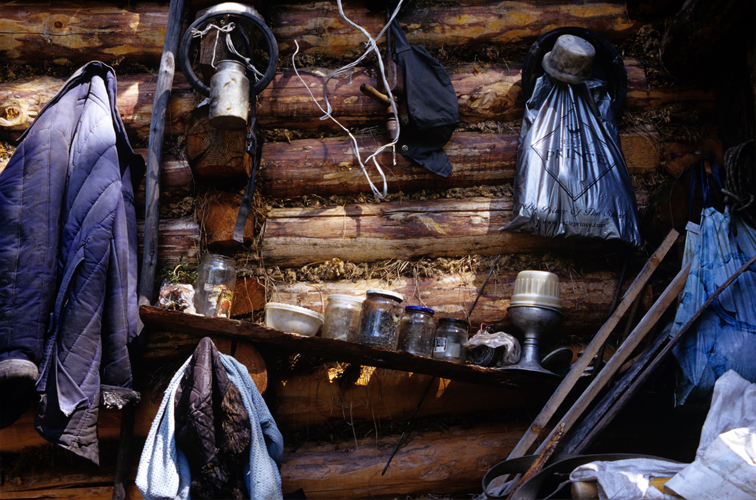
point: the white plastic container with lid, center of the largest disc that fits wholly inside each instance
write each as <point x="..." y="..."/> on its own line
<point x="342" y="317"/>
<point x="292" y="319"/>
<point x="536" y="288"/>
<point x="379" y="319"/>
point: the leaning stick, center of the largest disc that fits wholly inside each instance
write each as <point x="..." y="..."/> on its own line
<point x="620" y="356"/>
<point x="581" y="364"/>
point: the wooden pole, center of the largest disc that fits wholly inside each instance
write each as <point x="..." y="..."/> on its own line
<point x="647" y="371"/>
<point x="152" y="218"/>
<point x="155" y="150"/>
<point x="580" y="365"/>
<point x="649" y="320"/>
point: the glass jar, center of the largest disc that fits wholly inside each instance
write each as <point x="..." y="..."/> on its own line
<point x="214" y="291"/>
<point x="379" y="319"/>
<point x="342" y="317"/>
<point x="416" y="331"/>
<point x="451" y="335"/>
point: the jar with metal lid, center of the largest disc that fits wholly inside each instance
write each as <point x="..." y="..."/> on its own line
<point x="416" y="331"/>
<point x="451" y="335"/>
<point x="342" y="317"/>
<point x="379" y="319"/>
<point x="214" y="291"/>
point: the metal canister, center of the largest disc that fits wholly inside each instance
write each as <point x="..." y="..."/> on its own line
<point x="229" y="96"/>
<point x="379" y="319"/>
<point x="417" y="330"/>
<point x="451" y="335"/>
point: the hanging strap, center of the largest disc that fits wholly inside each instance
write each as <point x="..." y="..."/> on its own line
<point x="400" y="44"/>
<point x="698" y="175"/>
<point x="251" y="149"/>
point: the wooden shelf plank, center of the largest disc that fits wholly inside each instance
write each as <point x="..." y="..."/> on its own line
<point x="337" y="350"/>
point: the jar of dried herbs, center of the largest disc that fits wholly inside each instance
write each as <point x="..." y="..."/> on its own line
<point x="342" y="317"/>
<point x="379" y="319"/>
<point x="416" y="331"/>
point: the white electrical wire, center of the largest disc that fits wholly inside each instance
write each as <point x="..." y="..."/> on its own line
<point x="229" y="44"/>
<point x="327" y="113"/>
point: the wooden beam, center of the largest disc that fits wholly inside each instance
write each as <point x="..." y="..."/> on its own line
<point x="319" y="29"/>
<point x="401" y="230"/>
<point x="337" y="350"/>
<point x="78" y="32"/>
<point x="484" y="93"/>
<point x="177" y="238"/>
<point x="312" y="399"/>
<point x="135" y="96"/>
<point x="442" y="462"/>
<point x="328" y="166"/>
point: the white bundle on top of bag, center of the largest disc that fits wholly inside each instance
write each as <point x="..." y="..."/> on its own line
<point x="572" y="179"/>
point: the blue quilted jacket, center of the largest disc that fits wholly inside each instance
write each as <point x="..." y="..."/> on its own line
<point x="68" y="260"/>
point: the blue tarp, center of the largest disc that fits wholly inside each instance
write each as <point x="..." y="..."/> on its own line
<point x="724" y="337"/>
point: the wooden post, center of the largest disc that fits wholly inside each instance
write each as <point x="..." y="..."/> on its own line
<point x="152" y="218"/>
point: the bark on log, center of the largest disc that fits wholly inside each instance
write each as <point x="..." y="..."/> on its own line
<point x="176" y="180"/>
<point x="484" y="93"/>
<point x="328" y="166"/>
<point x="400" y="230"/>
<point x="135" y="95"/>
<point x="177" y="238"/>
<point x="216" y="154"/>
<point x="80" y="33"/>
<point x="306" y="401"/>
<point x="319" y="28"/>
<point x="698" y="31"/>
<point x="217" y="213"/>
<point x="32" y="32"/>
<point x="585" y="299"/>
<point x="447" y="462"/>
<point x="489" y="93"/>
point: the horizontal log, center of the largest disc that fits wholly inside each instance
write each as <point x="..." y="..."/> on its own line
<point x="312" y="399"/>
<point x="446" y="462"/>
<point x="22" y="100"/>
<point x="176" y="180"/>
<point x="217" y="213"/>
<point x="319" y="29"/>
<point x="586" y="299"/>
<point x="68" y="32"/>
<point x="328" y="166"/>
<point x="400" y="230"/>
<point x="484" y="93"/>
<point x="177" y="239"/>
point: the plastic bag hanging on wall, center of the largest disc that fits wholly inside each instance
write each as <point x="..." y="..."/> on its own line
<point x="572" y="179"/>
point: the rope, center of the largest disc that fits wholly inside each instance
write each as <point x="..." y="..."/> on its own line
<point x="740" y="181"/>
<point x="229" y="44"/>
<point x="327" y="112"/>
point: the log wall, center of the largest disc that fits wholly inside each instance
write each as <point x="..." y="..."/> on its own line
<point x="206" y="172"/>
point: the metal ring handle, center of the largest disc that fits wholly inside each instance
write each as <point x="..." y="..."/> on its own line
<point x="220" y="10"/>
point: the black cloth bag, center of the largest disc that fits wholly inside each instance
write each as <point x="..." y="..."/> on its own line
<point x="432" y="112"/>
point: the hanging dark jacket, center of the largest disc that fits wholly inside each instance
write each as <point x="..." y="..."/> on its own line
<point x="68" y="261"/>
